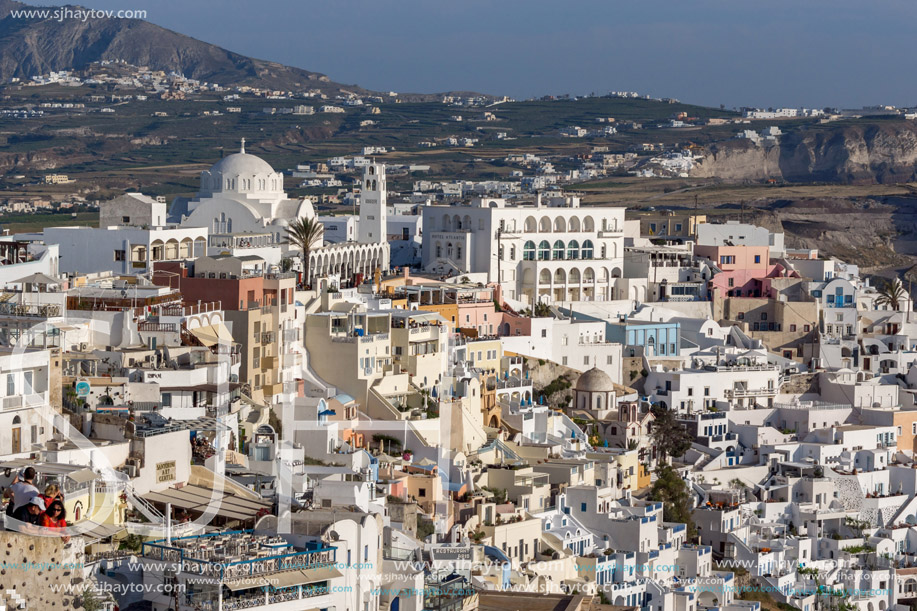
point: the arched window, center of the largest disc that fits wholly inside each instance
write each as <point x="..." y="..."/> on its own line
<point x="558" y="250"/>
<point x="544" y="250"/>
<point x="573" y="250"/>
<point x="587" y="249"/>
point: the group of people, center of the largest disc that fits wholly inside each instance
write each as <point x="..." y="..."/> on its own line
<point x="31" y="507"/>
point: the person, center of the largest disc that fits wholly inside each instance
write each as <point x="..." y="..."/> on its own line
<point x="55" y="516"/>
<point x="30" y="514"/>
<point x="52" y="491"/>
<point x="22" y="491"/>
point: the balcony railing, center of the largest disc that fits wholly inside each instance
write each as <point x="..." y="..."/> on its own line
<point x="162" y="327"/>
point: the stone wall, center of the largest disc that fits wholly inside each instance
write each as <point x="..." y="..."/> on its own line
<point x="40" y="572"/>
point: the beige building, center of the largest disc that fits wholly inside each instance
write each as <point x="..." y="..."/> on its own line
<point x="783" y="326"/>
<point x="670" y="224"/>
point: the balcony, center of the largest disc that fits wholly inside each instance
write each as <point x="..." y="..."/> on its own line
<point x="291" y="335"/>
<point x="26" y="400"/>
<point x="268" y="338"/>
<point x="739" y="393"/>
<point x="157" y="327"/>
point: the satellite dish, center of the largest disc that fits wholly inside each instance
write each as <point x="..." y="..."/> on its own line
<point x="333" y="535"/>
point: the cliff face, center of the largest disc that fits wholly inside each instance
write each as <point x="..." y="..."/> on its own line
<point x="880" y="152"/>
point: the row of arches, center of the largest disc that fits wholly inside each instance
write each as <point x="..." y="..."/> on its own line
<point x="170" y="250"/>
<point x="348" y="260"/>
<point x="569" y="251"/>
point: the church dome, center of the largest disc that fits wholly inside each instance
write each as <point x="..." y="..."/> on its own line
<point x="241" y="175"/>
<point x="594" y="380"/>
<point x="241" y="164"/>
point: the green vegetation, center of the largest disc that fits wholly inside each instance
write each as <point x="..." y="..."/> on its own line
<point x="676" y="499"/>
<point x="670" y="437"/>
<point x="424" y="529"/>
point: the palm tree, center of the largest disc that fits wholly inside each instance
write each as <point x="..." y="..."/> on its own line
<point x="303" y="233"/>
<point x="891" y="294"/>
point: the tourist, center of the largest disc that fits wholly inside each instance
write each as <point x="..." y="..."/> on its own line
<point x="52" y="492"/>
<point x="55" y="516"/>
<point x="29" y="514"/>
<point x="22" y="491"/>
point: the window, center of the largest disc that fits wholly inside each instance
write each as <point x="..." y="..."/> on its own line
<point x="732" y="282"/>
<point x="582" y="507"/>
<point x="586" y="360"/>
<point x="544" y="250"/>
<point x="609" y="360"/>
<point x="829" y="328"/>
<point x="706" y="391"/>
<point x="126" y="220"/>
<point x="839" y="317"/>
<point x="763" y="315"/>
<point x="544" y="332"/>
<point x="564" y="361"/>
<point x="757" y="258"/>
<point x="690" y="392"/>
<point x="119" y="255"/>
<point x="806" y="328"/>
<point x="10" y="385"/>
<point x="741" y="316"/>
<point x="792" y="328"/>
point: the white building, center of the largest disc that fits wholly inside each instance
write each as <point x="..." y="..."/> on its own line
<point x="551" y="250"/>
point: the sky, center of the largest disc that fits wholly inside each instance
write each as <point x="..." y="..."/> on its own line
<point x="797" y="53"/>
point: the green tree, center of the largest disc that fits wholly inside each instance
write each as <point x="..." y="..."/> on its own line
<point x="891" y="294"/>
<point x="305" y="233"/>
<point x="670" y="437"/>
<point x="677" y="500"/>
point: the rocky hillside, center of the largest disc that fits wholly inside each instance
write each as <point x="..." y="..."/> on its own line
<point x="35" y="46"/>
<point x="881" y="151"/>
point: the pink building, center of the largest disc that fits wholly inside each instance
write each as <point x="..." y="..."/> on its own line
<point x="746" y="270"/>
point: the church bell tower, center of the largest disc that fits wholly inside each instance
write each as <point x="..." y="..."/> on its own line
<point x="373" y="215"/>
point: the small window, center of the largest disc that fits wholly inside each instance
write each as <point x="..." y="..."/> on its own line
<point x="792" y="328"/>
<point x="757" y="258"/>
<point x="119" y="255"/>
<point x="126" y="220"/>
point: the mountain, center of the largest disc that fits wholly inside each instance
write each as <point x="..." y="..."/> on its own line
<point x="32" y="46"/>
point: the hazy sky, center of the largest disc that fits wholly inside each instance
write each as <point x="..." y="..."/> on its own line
<point x="735" y="52"/>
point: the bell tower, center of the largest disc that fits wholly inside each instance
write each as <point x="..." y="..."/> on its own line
<point x="373" y="215"/>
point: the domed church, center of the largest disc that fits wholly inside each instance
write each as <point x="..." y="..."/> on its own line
<point x="241" y="193"/>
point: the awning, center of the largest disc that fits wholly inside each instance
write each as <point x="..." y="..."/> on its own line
<point x="245" y="583"/>
<point x="83" y="476"/>
<point x="97" y="532"/>
<point x="197" y="499"/>
<point x="213" y="334"/>
<point x="320" y="574"/>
